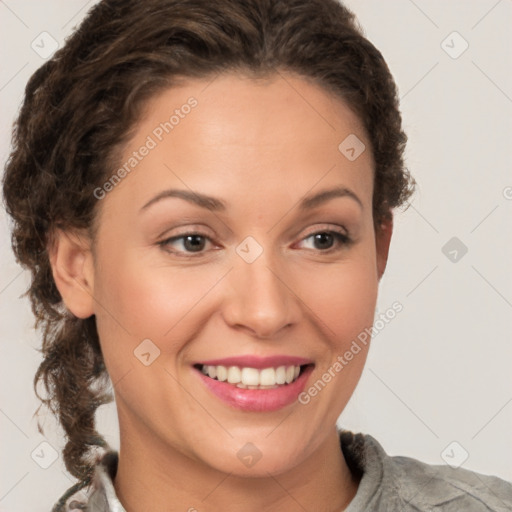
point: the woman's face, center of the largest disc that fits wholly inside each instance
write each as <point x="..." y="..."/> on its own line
<point x="268" y="276"/>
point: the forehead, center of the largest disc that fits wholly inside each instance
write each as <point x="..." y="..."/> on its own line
<point x="239" y="108"/>
<point x="231" y="133"/>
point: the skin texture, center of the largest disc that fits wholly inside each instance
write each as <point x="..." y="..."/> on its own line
<point x="259" y="146"/>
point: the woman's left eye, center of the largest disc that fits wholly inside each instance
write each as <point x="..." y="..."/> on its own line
<point x="325" y="241"/>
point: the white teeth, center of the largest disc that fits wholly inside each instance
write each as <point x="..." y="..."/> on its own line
<point x="222" y="373"/>
<point x="234" y="375"/>
<point x="267" y="377"/>
<point x="281" y="375"/>
<point x="252" y="378"/>
<point x="243" y="386"/>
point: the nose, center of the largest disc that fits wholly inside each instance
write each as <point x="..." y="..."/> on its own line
<point x="260" y="298"/>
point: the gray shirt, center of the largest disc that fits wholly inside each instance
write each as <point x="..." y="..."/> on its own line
<point x="388" y="483"/>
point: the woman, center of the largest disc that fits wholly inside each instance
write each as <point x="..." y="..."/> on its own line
<point x="204" y="194"/>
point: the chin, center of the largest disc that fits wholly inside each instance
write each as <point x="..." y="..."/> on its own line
<point x="257" y="457"/>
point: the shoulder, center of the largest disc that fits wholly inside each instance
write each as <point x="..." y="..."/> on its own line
<point x="404" y="483"/>
<point x="447" y="488"/>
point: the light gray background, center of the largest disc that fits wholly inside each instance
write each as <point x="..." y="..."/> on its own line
<point x="440" y="371"/>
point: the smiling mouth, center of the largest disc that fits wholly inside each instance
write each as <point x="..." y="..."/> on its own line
<point x="253" y="378"/>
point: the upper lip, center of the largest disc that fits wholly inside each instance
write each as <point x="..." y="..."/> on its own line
<point x="250" y="361"/>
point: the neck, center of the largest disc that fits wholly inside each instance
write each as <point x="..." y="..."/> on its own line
<point x="152" y="476"/>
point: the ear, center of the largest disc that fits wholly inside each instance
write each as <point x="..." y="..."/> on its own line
<point x="382" y="241"/>
<point x="72" y="268"/>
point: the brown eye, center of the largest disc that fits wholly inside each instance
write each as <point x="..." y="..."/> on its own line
<point x="194" y="243"/>
<point x="325" y="241"/>
<point x="187" y="244"/>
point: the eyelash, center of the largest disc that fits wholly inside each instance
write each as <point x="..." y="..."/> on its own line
<point x="343" y="240"/>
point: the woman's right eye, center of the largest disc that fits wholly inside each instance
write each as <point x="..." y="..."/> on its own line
<point x="191" y="244"/>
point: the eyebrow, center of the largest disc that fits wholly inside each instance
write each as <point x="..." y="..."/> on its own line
<point x="215" y="204"/>
<point x="202" y="200"/>
<point x="310" y="202"/>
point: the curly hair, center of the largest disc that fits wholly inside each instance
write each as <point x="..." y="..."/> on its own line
<point x="81" y="106"/>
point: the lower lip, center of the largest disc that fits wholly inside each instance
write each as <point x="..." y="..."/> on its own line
<point x="257" y="400"/>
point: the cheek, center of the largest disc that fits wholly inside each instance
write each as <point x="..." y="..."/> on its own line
<point x="138" y="300"/>
<point x="343" y="300"/>
<point x="344" y="296"/>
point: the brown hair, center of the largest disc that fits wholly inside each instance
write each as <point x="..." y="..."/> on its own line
<point x="81" y="105"/>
